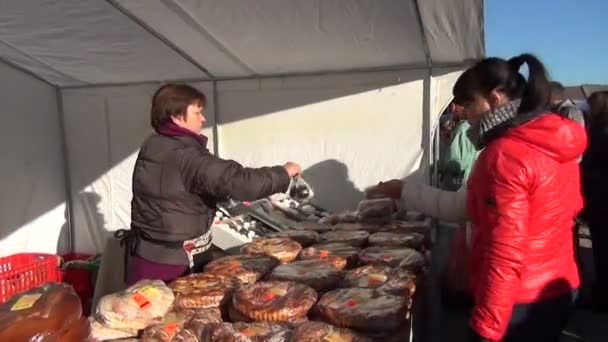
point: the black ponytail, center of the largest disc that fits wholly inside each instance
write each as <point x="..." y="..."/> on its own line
<point x="497" y="73"/>
<point x="536" y="93"/>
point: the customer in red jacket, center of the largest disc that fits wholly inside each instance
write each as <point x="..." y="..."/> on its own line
<point x="522" y="198"/>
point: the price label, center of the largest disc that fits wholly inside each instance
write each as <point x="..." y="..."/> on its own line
<point x="171" y="329"/>
<point x="149" y="292"/>
<point x="323" y="254"/>
<point x="141" y="300"/>
<point x="26" y="302"/>
<point x="376" y="278"/>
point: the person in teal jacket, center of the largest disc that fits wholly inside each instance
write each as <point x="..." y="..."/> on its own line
<point x="460" y="155"/>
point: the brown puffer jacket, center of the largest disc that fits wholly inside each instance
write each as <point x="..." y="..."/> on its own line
<point x="176" y="185"/>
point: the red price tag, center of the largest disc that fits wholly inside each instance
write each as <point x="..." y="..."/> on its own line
<point x="171" y="329"/>
<point x="248" y="332"/>
<point x="323" y="254"/>
<point x="270" y="296"/>
<point x="141" y="300"/>
<point x="351" y="302"/>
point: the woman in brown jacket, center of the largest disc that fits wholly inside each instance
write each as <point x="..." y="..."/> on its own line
<point x="176" y="185"/>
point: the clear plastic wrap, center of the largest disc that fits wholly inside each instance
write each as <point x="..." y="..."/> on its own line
<point x="333" y="249"/>
<point x="363" y="309"/>
<point x="368" y="227"/>
<point x="387" y="256"/>
<point x="247" y="268"/>
<point x="381" y="208"/>
<point x="274" y="301"/>
<point x="401" y="282"/>
<point x="43" y="313"/>
<point x="318" y="227"/>
<point x="80" y="330"/>
<point x="343" y="217"/>
<point x="283" y="249"/>
<point x="252" y="332"/>
<point x="415" y="262"/>
<point x="387" y="239"/>
<point x="100" y="332"/>
<point x="420" y="227"/>
<point x="136" y="307"/>
<point x="320" y="274"/>
<point x="168" y="327"/>
<point x="355" y="238"/>
<point x="201" y="290"/>
<point x="370" y="276"/>
<point x="304" y="237"/>
<point x="319" y="331"/>
<point x="200" y="327"/>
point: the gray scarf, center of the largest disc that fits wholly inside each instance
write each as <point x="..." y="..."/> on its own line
<point x="498" y="121"/>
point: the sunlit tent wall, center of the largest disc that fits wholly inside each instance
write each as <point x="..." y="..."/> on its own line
<point x="352" y="89"/>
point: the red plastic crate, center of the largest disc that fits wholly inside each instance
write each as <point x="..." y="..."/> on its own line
<point x="25" y="271"/>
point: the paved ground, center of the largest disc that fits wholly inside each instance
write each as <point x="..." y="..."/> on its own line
<point x="450" y="323"/>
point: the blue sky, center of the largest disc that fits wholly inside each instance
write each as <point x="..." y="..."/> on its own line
<point x="570" y="36"/>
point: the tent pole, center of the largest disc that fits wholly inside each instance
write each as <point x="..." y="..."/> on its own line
<point x="158" y="36"/>
<point x="217" y="118"/>
<point x="66" y="172"/>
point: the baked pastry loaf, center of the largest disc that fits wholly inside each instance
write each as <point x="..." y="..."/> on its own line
<point x="387" y="256"/>
<point x="369" y="227"/>
<point x="45" y="312"/>
<point x="355" y="238"/>
<point x="137" y="307"/>
<point x="283" y="249"/>
<point x="80" y="330"/>
<point x="168" y="327"/>
<point x="247" y="268"/>
<point x="363" y="309"/>
<point x="332" y="249"/>
<point x="274" y="301"/>
<point x="200" y="326"/>
<point x="320" y="274"/>
<point x="319" y="331"/>
<point x="401" y="282"/>
<point x="304" y="237"/>
<point x="252" y="332"/>
<point x="415" y="262"/>
<point x="387" y="239"/>
<point x="370" y="276"/>
<point x="201" y="290"/>
<point x="100" y="332"/>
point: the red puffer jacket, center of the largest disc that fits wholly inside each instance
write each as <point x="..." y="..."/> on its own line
<point x="522" y="198"/>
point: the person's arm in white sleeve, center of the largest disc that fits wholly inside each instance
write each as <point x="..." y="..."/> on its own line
<point x="446" y="206"/>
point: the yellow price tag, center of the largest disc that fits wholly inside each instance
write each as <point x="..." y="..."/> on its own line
<point x="26" y="302"/>
<point x="149" y="292"/>
<point x="335" y="337"/>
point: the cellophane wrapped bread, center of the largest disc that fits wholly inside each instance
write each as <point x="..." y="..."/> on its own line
<point x="320" y="274"/>
<point x="320" y="331"/>
<point x="387" y="239"/>
<point x="201" y="290"/>
<point x="387" y="256"/>
<point x="167" y="327"/>
<point x="304" y="237"/>
<point x="46" y="313"/>
<point x="137" y="307"/>
<point x="373" y="209"/>
<point x="363" y="309"/>
<point x="247" y="268"/>
<point x="274" y="301"/>
<point x="283" y="249"/>
<point x="100" y="332"/>
<point x="200" y="327"/>
<point x="252" y="332"/>
<point x="355" y="238"/>
<point x="331" y="249"/>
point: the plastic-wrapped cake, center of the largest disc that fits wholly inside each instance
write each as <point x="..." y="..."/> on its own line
<point x="247" y="268"/>
<point x="355" y="238"/>
<point x="388" y="256"/>
<point x="198" y="291"/>
<point x="320" y="274"/>
<point x="387" y="239"/>
<point x="274" y="301"/>
<point x="332" y="249"/>
<point x="319" y="331"/>
<point x="363" y="309"/>
<point x="283" y="249"/>
<point x="303" y="237"/>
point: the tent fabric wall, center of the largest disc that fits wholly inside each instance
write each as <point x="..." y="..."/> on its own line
<point x="298" y="79"/>
<point x="32" y="206"/>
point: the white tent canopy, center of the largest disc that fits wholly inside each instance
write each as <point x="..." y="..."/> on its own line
<point x="349" y="88"/>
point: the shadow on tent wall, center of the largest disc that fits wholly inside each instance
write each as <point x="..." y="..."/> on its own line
<point x="105" y="126"/>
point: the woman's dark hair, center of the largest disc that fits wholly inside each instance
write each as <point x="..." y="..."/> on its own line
<point x="598" y="109"/>
<point x="172" y="100"/>
<point x="497" y="73"/>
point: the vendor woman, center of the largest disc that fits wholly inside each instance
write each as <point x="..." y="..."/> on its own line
<point x="176" y="185"/>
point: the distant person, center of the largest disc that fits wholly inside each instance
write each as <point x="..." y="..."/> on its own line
<point x="565" y="106"/>
<point x="460" y="155"/>
<point x="594" y="168"/>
